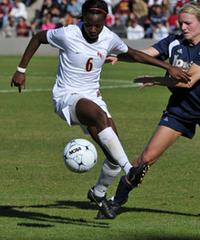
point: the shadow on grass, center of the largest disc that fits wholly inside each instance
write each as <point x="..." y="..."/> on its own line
<point x="148" y="210"/>
<point x="49" y="220"/>
<point x="86" y="205"/>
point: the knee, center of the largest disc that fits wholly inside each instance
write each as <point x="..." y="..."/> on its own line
<point x="101" y="120"/>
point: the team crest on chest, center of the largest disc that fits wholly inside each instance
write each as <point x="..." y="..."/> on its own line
<point x="99" y="55"/>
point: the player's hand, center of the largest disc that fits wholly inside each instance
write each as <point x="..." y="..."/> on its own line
<point x="179" y="74"/>
<point x="18" y="80"/>
<point x="111" y="59"/>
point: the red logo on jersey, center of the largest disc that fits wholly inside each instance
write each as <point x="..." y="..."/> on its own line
<point x="99" y="55"/>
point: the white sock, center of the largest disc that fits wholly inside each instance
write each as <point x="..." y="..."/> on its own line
<point x="108" y="172"/>
<point x="111" y="142"/>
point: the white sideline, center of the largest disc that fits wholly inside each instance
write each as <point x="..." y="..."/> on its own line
<point x="14" y="90"/>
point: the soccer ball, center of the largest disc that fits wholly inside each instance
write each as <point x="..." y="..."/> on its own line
<point x="80" y="155"/>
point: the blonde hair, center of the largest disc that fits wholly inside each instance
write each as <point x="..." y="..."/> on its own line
<point x="191" y="9"/>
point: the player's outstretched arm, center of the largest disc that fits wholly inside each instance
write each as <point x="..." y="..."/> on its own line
<point x="134" y="55"/>
<point x="19" y="77"/>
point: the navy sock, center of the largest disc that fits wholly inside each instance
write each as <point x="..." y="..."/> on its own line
<point x="122" y="191"/>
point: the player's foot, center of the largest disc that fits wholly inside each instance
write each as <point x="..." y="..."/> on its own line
<point x="90" y="195"/>
<point x="106" y="211"/>
<point x="114" y="207"/>
<point x="104" y="205"/>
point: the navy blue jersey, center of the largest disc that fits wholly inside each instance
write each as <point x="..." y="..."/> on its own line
<point x="184" y="103"/>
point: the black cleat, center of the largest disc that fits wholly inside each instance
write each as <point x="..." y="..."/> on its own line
<point x="105" y="210"/>
<point x="90" y="194"/>
<point x="114" y="209"/>
<point x="116" y="206"/>
<point x="93" y="198"/>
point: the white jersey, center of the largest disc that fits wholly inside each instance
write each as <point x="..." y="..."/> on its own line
<point x="80" y="62"/>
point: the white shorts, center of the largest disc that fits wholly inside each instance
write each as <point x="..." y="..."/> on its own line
<point x="65" y="106"/>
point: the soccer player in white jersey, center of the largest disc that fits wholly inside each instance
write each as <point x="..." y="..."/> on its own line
<point x="83" y="49"/>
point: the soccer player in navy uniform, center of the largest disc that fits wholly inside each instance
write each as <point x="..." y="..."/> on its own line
<point x="182" y="113"/>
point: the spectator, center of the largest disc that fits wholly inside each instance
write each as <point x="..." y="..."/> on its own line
<point x="173" y="21"/>
<point x="10" y="29"/>
<point x="150" y="3"/>
<point x="164" y="4"/>
<point x="46" y="8"/>
<point x="172" y="5"/>
<point x="22" y="28"/>
<point x="55" y="13"/>
<point x="160" y="31"/>
<point x="157" y="15"/>
<point x="139" y="8"/>
<point x="67" y="19"/>
<point x="28" y="3"/>
<point x="119" y="28"/>
<point x="74" y="8"/>
<point x="63" y="7"/>
<point x="5" y="9"/>
<point x="180" y="3"/>
<point x="134" y="30"/>
<point x="158" y="20"/>
<point x="123" y="10"/>
<point x="19" y="10"/>
<point x="47" y="23"/>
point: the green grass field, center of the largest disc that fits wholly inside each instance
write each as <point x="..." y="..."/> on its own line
<point x="40" y="199"/>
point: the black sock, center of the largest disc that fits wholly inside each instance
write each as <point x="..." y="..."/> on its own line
<point x="122" y="191"/>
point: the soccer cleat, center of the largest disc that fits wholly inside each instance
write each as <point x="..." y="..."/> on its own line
<point x="90" y="194"/>
<point x="106" y="211"/>
<point x="92" y="197"/>
<point x="103" y="204"/>
<point x="114" y="207"/>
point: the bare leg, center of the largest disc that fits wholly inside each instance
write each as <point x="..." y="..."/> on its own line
<point x="161" y="140"/>
<point x="91" y="115"/>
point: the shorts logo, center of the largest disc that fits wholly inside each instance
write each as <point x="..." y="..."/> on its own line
<point x="166" y="119"/>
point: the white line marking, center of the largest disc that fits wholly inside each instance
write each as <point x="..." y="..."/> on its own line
<point x="14" y="90"/>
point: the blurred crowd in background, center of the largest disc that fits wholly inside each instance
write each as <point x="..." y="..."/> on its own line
<point x="131" y="19"/>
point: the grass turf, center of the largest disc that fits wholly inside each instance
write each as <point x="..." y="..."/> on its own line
<point x="41" y="199"/>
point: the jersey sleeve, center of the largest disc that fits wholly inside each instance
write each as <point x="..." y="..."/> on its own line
<point x="117" y="46"/>
<point x="163" y="46"/>
<point x="56" y="37"/>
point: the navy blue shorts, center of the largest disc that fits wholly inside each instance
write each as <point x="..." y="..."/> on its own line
<point x="187" y="129"/>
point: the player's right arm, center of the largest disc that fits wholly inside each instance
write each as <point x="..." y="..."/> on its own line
<point x="150" y="51"/>
<point x="148" y="56"/>
<point x="19" y="77"/>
